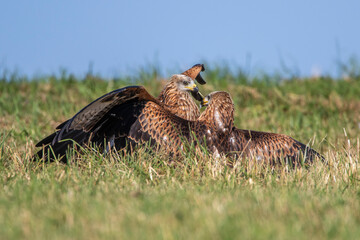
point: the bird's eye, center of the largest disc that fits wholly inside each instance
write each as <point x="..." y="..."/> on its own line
<point x="186" y="82"/>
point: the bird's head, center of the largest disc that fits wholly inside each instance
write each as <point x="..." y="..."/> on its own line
<point x="186" y="84"/>
<point x="205" y="101"/>
<point x="220" y="108"/>
<point x="216" y="98"/>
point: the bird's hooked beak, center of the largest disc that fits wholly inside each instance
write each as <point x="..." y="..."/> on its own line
<point x="195" y="92"/>
<point x="204" y="103"/>
<point x="193" y="88"/>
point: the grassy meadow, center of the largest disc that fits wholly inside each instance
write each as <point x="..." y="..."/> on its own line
<point x="144" y="197"/>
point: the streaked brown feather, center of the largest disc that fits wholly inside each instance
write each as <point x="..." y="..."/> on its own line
<point x="270" y="147"/>
<point x="164" y="128"/>
<point x="262" y="145"/>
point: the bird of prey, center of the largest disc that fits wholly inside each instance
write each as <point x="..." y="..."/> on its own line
<point x="265" y="147"/>
<point x="175" y="97"/>
<point x="132" y="114"/>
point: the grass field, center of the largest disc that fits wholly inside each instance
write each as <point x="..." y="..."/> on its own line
<point x="144" y="197"/>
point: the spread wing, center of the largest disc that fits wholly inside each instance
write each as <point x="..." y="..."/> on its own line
<point x="270" y="146"/>
<point x="127" y="113"/>
<point x="108" y="117"/>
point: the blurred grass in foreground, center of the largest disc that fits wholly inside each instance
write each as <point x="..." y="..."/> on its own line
<point x="143" y="196"/>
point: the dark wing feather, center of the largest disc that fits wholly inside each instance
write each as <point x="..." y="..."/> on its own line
<point x="58" y="149"/>
<point x="90" y="115"/>
<point x="270" y="146"/>
<point x="108" y="117"/>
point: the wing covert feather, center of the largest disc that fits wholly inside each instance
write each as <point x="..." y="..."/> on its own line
<point x="162" y="127"/>
<point x="263" y="145"/>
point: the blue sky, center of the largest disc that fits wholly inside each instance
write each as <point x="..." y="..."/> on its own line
<point x="117" y="37"/>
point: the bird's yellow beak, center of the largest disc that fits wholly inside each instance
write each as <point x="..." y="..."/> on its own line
<point x="204" y="103"/>
<point x="193" y="88"/>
